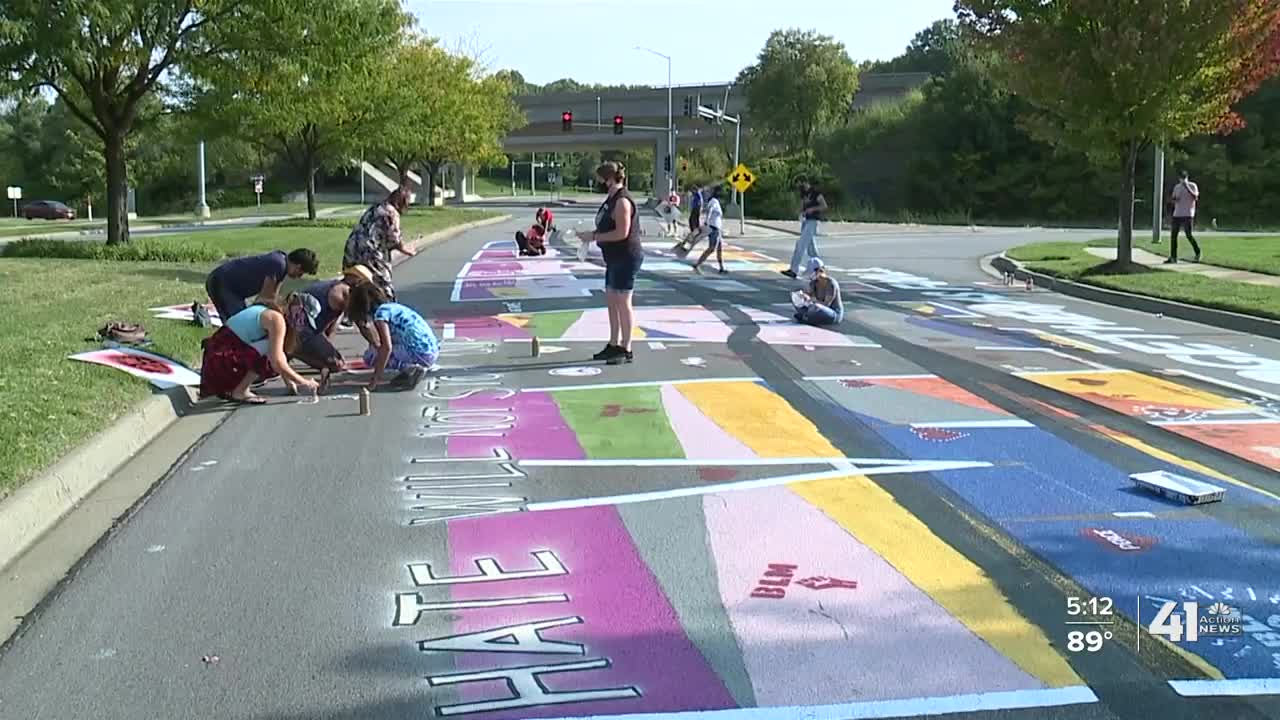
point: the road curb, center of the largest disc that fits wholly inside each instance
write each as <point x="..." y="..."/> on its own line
<point x="440" y="236"/>
<point x="1224" y="319"/>
<point x="771" y="228"/>
<point x="41" y="503"/>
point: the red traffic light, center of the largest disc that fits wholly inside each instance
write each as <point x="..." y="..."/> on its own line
<point x="617" y="124"/>
<point x="566" y="121"/>
<point x="567" y="117"/>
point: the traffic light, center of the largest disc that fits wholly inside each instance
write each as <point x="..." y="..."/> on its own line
<point x="688" y="106"/>
<point x="666" y="163"/>
<point x="566" y="121"/>
<point x="617" y="124"/>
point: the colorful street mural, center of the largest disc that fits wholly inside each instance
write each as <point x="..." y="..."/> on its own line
<point x="586" y="611"/>
<point x="1235" y="425"/>
<point x="1089" y="522"/>
<point x="691" y="323"/>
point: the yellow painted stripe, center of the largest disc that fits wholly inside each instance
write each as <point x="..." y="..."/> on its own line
<point x="1172" y="459"/>
<point x="1135" y="388"/>
<point x="759" y="419"/>
<point x="768" y="425"/>
<point x="1069" y="342"/>
<point x="927" y="309"/>
<point x="870" y="514"/>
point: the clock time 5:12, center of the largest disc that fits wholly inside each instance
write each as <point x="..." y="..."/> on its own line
<point x="1092" y="606"/>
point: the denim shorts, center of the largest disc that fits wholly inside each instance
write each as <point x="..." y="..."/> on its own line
<point x="620" y="272"/>
<point x="713" y="236"/>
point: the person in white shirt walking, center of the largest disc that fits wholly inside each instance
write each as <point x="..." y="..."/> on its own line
<point x="1185" y="196"/>
<point x="715" y="230"/>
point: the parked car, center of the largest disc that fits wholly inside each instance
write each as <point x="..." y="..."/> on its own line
<point x="47" y="210"/>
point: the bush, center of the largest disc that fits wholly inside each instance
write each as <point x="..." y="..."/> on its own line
<point x="141" y="250"/>
<point x="235" y="197"/>
<point x="344" y="223"/>
<point x="774" y="195"/>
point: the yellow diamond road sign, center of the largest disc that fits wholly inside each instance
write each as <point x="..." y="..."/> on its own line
<point x="741" y="178"/>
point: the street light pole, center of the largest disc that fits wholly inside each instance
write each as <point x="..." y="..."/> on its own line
<point x="1157" y="196"/>
<point x="671" y="126"/>
<point x="202" y="208"/>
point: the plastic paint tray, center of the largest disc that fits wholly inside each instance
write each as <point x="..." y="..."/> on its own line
<point x="1178" y="487"/>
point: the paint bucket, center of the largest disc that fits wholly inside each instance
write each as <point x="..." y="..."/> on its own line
<point x="535" y="347"/>
<point x="364" y="401"/>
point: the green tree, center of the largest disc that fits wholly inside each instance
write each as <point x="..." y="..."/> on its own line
<point x="103" y="59"/>
<point x="801" y="85"/>
<point x="436" y="109"/>
<point x="1109" y="79"/>
<point x="932" y="50"/>
<point x="311" y="105"/>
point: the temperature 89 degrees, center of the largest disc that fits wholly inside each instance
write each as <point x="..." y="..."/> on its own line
<point x="1087" y="641"/>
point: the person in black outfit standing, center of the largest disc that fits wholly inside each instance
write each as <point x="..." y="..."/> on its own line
<point x="618" y="235"/>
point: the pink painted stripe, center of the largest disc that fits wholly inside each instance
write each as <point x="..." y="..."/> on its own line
<point x="884" y="640"/>
<point x="699" y="435"/>
<point x="625" y="615"/>
<point x="538" y="431"/>
<point x="696" y="323"/>
<point x="481" y="327"/>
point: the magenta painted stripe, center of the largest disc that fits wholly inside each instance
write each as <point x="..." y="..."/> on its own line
<point x="626" y="618"/>
<point x="538" y="431"/>
<point x="885" y="639"/>
<point x="481" y="327"/>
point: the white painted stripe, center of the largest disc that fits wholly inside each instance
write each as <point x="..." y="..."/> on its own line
<point x="1010" y="423"/>
<point x="729" y="462"/>
<point x="1010" y="349"/>
<point x="1135" y="514"/>
<point x="868" y="377"/>
<point x="449" y="331"/>
<point x="913" y="707"/>
<point x="1096" y="371"/>
<point x="960" y="313"/>
<point x="1224" y="383"/>
<point x="466" y="268"/>
<point x="1212" y="688"/>
<point x="915" y="467"/>
<point x="645" y="383"/>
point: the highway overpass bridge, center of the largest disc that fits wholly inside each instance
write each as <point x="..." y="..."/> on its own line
<point x="647" y="108"/>
<point x="641" y="109"/>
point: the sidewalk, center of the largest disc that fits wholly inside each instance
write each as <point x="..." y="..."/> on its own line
<point x="1149" y="259"/>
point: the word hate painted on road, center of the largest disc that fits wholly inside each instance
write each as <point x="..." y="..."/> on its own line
<point x="525" y="683"/>
<point x="1057" y="317"/>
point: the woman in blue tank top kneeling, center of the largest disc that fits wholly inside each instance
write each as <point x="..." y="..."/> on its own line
<point x="253" y="345"/>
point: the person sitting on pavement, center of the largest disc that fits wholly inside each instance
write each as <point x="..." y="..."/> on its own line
<point x="250" y="347"/>
<point x="821" y="305"/>
<point x="402" y="338"/>
<point x="234" y="281"/>
<point x="533" y="242"/>
<point x="715" y="229"/>
<point x="376" y="236"/>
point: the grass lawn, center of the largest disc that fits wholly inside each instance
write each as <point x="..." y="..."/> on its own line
<point x="49" y="405"/>
<point x="1069" y="260"/>
<point x="1259" y="253"/>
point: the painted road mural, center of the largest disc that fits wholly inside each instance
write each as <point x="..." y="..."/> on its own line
<point x="720" y="536"/>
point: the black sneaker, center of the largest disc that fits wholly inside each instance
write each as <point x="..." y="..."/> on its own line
<point x="620" y="356"/>
<point x="789" y="274"/>
<point x="609" y="351"/>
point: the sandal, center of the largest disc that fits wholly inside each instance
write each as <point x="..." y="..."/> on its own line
<point x="252" y="400"/>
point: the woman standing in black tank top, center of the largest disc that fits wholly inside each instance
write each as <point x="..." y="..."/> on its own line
<point x="618" y="235"/>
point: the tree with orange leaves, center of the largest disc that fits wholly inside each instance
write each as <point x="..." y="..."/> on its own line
<point x="1112" y="78"/>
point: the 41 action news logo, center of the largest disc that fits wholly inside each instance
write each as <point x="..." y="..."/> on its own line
<point x="1219" y="619"/>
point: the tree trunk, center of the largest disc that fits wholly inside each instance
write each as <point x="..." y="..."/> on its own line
<point x="1128" y="172"/>
<point x="429" y="179"/>
<point x="311" y="188"/>
<point x="117" y="190"/>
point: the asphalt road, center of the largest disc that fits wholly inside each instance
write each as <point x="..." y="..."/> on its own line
<point x="886" y="520"/>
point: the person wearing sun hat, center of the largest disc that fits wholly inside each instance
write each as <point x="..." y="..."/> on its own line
<point x="314" y="313"/>
<point x="821" y="304"/>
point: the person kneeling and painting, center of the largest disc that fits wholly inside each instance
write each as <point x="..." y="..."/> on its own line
<point x="232" y="282"/>
<point x="402" y="339"/>
<point x="251" y="346"/>
<point x="821" y="305"/>
<point x="314" y="313"/>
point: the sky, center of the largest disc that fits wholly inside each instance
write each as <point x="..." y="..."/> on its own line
<point x="593" y="41"/>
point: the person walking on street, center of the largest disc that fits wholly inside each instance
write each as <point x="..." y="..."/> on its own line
<point x="618" y="235"/>
<point x="695" y="224"/>
<point x="376" y="236"/>
<point x="1186" y="195"/>
<point x="814" y="207"/>
<point x="232" y="282"/>
<point x="715" y="232"/>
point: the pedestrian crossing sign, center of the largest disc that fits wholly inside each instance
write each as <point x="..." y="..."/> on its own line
<point x="741" y="178"/>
